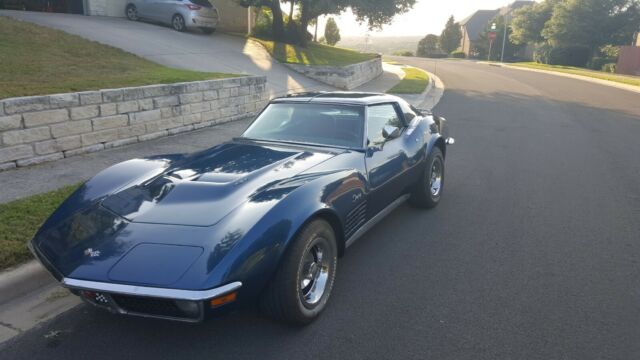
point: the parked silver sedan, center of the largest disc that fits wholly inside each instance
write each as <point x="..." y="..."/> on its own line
<point x="180" y="14"/>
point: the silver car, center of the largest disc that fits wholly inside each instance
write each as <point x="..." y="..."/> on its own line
<point x="180" y="14"/>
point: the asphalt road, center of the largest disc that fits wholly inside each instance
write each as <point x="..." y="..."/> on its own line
<point x="533" y="254"/>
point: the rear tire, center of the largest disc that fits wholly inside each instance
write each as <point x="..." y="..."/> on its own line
<point x="302" y="285"/>
<point x="208" y="31"/>
<point x="132" y="13"/>
<point x="178" y="24"/>
<point x="428" y="190"/>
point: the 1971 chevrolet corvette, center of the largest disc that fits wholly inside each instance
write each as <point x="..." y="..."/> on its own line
<point x="261" y="219"/>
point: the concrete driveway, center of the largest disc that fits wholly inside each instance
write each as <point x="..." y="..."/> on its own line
<point x="191" y="50"/>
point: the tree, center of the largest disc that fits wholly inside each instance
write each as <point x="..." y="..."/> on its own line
<point x="529" y="21"/>
<point x="428" y="46"/>
<point x="276" y="11"/>
<point x="332" y="32"/>
<point x="451" y="36"/>
<point x="482" y="45"/>
<point x="592" y="23"/>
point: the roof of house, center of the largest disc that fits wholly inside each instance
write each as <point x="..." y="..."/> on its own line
<point x="476" y="23"/>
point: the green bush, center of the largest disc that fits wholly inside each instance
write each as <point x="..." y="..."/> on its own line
<point x="264" y="24"/>
<point x="458" y="55"/>
<point x="597" y="62"/>
<point x="542" y="53"/>
<point x="572" y="55"/>
<point x="610" y="68"/>
<point x="404" y="53"/>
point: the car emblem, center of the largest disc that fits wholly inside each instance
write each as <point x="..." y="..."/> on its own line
<point x="357" y="197"/>
<point x="92" y="253"/>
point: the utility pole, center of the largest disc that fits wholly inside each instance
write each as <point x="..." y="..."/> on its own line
<point x="504" y="39"/>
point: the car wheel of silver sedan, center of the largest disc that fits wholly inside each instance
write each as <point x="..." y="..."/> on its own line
<point x="178" y="23"/>
<point x="302" y="285"/>
<point x="132" y="13"/>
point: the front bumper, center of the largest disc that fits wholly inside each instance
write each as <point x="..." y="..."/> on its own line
<point x="150" y="302"/>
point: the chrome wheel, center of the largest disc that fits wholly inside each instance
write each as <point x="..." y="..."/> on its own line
<point x="178" y="23"/>
<point x="313" y="273"/>
<point x="435" y="183"/>
<point x="132" y="13"/>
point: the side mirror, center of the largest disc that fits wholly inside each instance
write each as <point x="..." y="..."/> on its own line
<point x="390" y="132"/>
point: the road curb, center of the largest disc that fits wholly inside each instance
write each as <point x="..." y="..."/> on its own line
<point x="609" y="83"/>
<point x="23" y="280"/>
<point x="431" y="96"/>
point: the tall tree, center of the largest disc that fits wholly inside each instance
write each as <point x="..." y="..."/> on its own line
<point x="451" y="36"/>
<point x="332" y="32"/>
<point x="529" y="21"/>
<point x="428" y="46"/>
<point x="593" y="23"/>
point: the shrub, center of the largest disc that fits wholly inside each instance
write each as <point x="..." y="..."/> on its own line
<point x="573" y="55"/>
<point x="264" y="24"/>
<point x="610" y="68"/>
<point x="404" y="53"/>
<point x="542" y="53"/>
<point x="458" y="55"/>
<point x="597" y="62"/>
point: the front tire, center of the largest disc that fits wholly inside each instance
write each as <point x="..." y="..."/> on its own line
<point x="302" y="285"/>
<point x="428" y="191"/>
<point x="178" y="24"/>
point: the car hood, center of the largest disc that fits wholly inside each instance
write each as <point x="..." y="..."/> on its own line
<point x="203" y="188"/>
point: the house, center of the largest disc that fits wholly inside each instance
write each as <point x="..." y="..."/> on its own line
<point x="233" y="17"/>
<point x="474" y="25"/>
<point x="472" y="28"/>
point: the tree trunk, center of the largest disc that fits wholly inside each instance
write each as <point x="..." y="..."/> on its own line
<point x="315" y="35"/>
<point x="278" y="22"/>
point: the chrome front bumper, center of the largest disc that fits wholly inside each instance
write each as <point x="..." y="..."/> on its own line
<point x="150" y="302"/>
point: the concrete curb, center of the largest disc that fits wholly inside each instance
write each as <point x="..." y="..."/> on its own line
<point x="613" y="84"/>
<point x="22" y="280"/>
<point x="430" y="97"/>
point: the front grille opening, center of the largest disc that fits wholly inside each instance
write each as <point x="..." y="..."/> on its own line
<point x="155" y="307"/>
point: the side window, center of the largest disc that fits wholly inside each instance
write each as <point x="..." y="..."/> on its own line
<point x="380" y="116"/>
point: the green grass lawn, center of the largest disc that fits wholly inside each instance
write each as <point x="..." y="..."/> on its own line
<point x="19" y="221"/>
<point x="623" y="79"/>
<point x="415" y="82"/>
<point x="35" y="60"/>
<point x="313" y="54"/>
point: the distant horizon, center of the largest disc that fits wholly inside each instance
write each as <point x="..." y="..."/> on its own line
<point x="427" y="17"/>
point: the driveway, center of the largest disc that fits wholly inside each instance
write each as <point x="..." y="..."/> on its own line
<point x="191" y="50"/>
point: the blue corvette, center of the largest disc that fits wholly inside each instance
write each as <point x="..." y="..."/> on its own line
<point x="261" y="219"/>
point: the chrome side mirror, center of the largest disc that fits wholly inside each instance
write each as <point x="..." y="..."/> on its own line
<point x="390" y="132"/>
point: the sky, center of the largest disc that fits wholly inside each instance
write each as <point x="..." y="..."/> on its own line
<point x="427" y="17"/>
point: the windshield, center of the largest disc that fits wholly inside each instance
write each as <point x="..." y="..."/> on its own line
<point x="321" y="124"/>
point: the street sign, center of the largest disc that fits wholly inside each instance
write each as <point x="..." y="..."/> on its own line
<point x="493" y="36"/>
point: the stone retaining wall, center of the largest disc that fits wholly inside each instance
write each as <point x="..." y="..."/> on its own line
<point x="38" y="129"/>
<point x="343" y="77"/>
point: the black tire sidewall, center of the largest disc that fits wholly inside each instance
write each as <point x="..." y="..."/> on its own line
<point x="127" y="12"/>
<point x="315" y="230"/>
<point x="421" y="196"/>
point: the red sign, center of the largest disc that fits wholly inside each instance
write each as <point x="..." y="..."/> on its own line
<point x="493" y="36"/>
